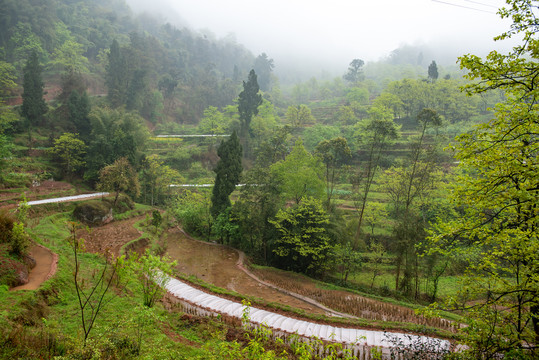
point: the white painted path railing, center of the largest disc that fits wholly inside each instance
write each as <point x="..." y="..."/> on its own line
<point x="358" y="340"/>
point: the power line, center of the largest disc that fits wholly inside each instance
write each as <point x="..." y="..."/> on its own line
<point x="483" y="4"/>
<point x="464" y="7"/>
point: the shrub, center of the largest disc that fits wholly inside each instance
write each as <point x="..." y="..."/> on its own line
<point x="6" y="226"/>
<point x="123" y="204"/>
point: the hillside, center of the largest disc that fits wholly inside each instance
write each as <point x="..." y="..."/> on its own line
<point x="396" y="197"/>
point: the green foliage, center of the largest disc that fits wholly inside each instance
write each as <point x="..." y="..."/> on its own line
<point x="115" y="134"/>
<point x="19" y="239"/>
<point x="299" y="115"/>
<point x="498" y="197"/>
<point x="248" y="102"/>
<point x="33" y="105"/>
<point x="69" y="56"/>
<point x="7" y="80"/>
<point x="263" y="67"/>
<point x="433" y="71"/>
<point x="119" y="177"/>
<point x="156" y="178"/>
<point x="13" y="233"/>
<point x="213" y="122"/>
<point x="374" y="136"/>
<point x="24" y="43"/>
<point x="153" y="273"/>
<point x="228" y="172"/>
<point x="303" y="244"/>
<point x="192" y="210"/>
<point x="355" y="72"/>
<point x="69" y="152"/>
<point x="300" y="174"/>
<point x="313" y="135"/>
<point x="334" y="153"/>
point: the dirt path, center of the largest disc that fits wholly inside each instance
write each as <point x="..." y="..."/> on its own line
<point x="217" y="265"/>
<point x="46" y="264"/>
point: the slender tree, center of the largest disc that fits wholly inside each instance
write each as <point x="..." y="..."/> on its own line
<point x="433" y="71"/>
<point x="117" y="76"/>
<point x="334" y="153"/>
<point x="376" y="135"/>
<point x="33" y="105"/>
<point x="248" y="102"/>
<point x="228" y="172"/>
<point x="263" y="67"/>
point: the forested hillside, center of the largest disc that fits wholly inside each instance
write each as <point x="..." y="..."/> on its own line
<point x="399" y="183"/>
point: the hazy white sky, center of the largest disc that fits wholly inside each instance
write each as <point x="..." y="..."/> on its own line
<point x="332" y="31"/>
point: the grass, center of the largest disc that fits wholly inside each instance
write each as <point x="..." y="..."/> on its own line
<point x="46" y="322"/>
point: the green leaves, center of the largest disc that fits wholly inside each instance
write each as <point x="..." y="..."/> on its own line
<point x="303" y="244"/>
<point x="69" y="150"/>
<point x="499" y="192"/>
<point x="301" y="174"/>
<point x="228" y="172"/>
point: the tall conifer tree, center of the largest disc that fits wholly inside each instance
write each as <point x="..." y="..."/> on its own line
<point x="248" y="103"/>
<point x="228" y="173"/>
<point x="33" y="104"/>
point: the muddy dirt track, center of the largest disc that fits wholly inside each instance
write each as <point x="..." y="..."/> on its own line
<point x="217" y="265"/>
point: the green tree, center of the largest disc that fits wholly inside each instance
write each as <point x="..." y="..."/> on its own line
<point x="499" y="193"/>
<point x="228" y="172"/>
<point x="69" y="56"/>
<point x="7" y="80"/>
<point x="334" y="153"/>
<point x="374" y="136"/>
<point x="115" y="134"/>
<point x="24" y="43"/>
<point x="303" y="244"/>
<point x="156" y="178"/>
<point x="33" y="105"/>
<point x="69" y="151"/>
<point x="153" y="273"/>
<point x="433" y="71"/>
<point x="117" y="76"/>
<point x="192" y="210"/>
<point x="300" y="174"/>
<point x="409" y="189"/>
<point x="299" y="115"/>
<point x="213" y="122"/>
<point x="263" y="67"/>
<point x="248" y="102"/>
<point x="375" y="213"/>
<point x="119" y="177"/>
<point x="79" y="110"/>
<point x="355" y="73"/>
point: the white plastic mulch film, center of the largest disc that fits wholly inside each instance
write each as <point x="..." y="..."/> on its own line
<point x="66" y="198"/>
<point x="289" y="325"/>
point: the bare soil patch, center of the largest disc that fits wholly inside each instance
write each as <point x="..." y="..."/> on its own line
<point x="42" y="190"/>
<point x="46" y="264"/>
<point x="218" y="265"/>
<point x="110" y="238"/>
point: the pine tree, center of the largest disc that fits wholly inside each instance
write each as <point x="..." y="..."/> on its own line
<point x="33" y="105"/>
<point x="228" y="173"/>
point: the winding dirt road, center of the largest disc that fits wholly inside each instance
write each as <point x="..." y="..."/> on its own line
<point x="46" y="265"/>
